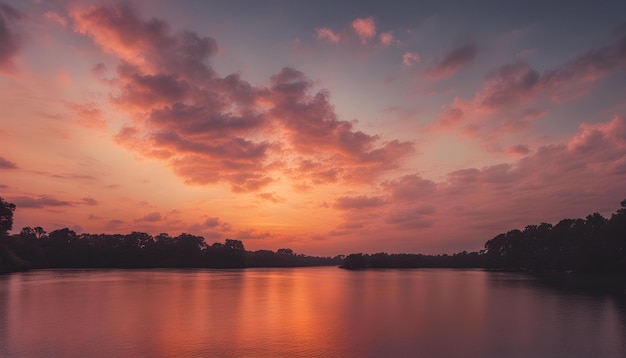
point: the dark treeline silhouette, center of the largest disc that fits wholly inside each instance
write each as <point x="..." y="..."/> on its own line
<point x="33" y="248"/>
<point x="594" y="245"/>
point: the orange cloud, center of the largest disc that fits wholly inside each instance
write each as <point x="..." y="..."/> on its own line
<point x="212" y="129"/>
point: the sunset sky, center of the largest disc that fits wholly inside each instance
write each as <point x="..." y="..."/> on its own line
<point x="329" y="127"/>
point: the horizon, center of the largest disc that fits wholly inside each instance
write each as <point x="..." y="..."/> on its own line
<point x="325" y="128"/>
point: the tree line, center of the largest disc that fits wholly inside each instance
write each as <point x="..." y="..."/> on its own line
<point x="594" y="245"/>
<point x="34" y="248"/>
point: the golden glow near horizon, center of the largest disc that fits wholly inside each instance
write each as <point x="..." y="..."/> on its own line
<point x="325" y="133"/>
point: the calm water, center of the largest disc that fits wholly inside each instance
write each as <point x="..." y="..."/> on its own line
<point x="308" y="312"/>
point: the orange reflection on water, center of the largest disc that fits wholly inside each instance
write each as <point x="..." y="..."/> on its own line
<point x="312" y="312"/>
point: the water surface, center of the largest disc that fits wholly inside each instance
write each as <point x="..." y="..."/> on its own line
<point x="307" y="312"/>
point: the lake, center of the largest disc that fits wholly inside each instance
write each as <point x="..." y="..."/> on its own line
<point x="303" y="312"/>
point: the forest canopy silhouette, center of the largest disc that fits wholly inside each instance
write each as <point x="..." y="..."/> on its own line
<point x="595" y="245"/>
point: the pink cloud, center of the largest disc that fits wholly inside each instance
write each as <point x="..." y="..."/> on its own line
<point x="119" y="30"/>
<point x="88" y="115"/>
<point x="386" y="38"/>
<point x="514" y="96"/>
<point x="519" y="149"/>
<point x="551" y="183"/>
<point x="365" y="28"/>
<point x="324" y="33"/>
<point x="212" y="129"/>
<point x="55" y="18"/>
<point x="410" y="58"/>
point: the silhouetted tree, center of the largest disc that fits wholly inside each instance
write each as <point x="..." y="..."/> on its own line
<point x="6" y="216"/>
<point x="288" y="252"/>
<point x="234" y="244"/>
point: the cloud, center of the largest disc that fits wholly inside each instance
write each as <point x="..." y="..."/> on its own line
<point x="386" y="38"/>
<point x="7" y="164"/>
<point x="151" y="217"/>
<point x="358" y="202"/>
<point x="453" y="61"/>
<point x="413" y="218"/>
<point x="42" y="201"/>
<point x="119" y="30"/>
<point x="10" y="42"/>
<point x="211" y="222"/>
<point x="547" y="184"/>
<point x="365" y="28"/>
<point x="114" y="224"/>
<point x="515" y="95"/>
<point x="251" y="234"/>
<point x="410" y="188"/>
<point x="90" y="201"/>
<point x="212" y="129"/>
<point x="519" y="149"/>
<point x="88" y="114"/>
<point x="55" y="18"/>
<point x="324" y="33"/>
<point x="410" y="58"/>
<point x="271" y="197"/>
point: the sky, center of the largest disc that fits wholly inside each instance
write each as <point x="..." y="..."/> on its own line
<point x="326" y="127"/>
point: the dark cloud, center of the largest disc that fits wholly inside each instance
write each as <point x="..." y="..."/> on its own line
<point x="211" y="222"/>
<point x="7" y="164"/>
<point x="509" y="85"/>
<point x="114" y="224"/>
<point x="453" y="61"/>
<point x="358" y="202"/>
<point x="39" y="202"/>
<point x="252" y="234"/>
<point x="99" y="70"/>
<point x="151" y="217"/>
<point x="519" y="149"/>
<point x="10" y="42"/>
<point x="410" y="187"/>
<point x="89" y="201"/>
<point x="412" y="218"/>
